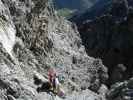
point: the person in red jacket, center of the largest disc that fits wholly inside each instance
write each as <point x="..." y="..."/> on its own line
<point x="52" y="76"/>
<point x="54" y="82"/>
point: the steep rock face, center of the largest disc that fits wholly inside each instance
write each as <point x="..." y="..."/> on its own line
<point x="33" y="38"/>
<point x="110" y="38"/>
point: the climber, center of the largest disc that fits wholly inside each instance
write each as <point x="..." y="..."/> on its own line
<point x="54" y="82"/>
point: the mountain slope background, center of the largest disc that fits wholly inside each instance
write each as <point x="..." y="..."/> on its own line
<point x="106" y="31"/>
<point x="99" y="8"/>
<point x="71" y="4"/>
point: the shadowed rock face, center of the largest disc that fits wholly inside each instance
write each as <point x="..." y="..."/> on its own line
<point x="110" y="38"/>
<point x="32" y="39"/>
